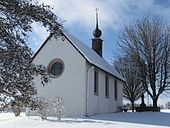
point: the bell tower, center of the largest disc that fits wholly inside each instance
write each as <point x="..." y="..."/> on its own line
<point x="97" y="41"/>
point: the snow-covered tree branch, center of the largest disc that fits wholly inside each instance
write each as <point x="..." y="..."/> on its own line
<point x="16" y="71"/>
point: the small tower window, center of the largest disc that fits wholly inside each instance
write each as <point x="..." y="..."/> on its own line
<point x="56" y="67"/>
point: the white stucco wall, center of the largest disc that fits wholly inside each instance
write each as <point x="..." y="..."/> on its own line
<point x="120" y="93"/>
<point x="71" y="85"/>
<point x="97" y="104"/>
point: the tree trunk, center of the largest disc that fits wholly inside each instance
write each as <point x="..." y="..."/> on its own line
<point x="17" y="111"/>
<point x="133" y="106"/>
<point x="155" y="104"/>
<point x="16" y="108"/>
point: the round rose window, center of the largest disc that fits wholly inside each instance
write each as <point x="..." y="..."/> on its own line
<point x="56" y="67"/>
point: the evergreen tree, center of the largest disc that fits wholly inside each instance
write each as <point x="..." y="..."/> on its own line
<point x="16" y="70"/>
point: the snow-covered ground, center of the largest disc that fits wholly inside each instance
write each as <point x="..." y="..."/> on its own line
<point x="115" y="120"/>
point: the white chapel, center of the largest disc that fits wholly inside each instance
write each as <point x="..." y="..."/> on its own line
<point x="79" y="74"/>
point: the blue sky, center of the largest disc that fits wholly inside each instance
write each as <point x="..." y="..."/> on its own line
<point x="113" y="16"/>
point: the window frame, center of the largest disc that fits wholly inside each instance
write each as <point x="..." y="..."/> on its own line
<point x="50" y="66"/>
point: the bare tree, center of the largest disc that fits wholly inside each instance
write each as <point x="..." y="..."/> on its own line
<point x="133" y="88"/>
<point x="148" y="40"/>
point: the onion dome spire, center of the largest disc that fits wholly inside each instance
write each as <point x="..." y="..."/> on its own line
<point x="97" y="41"/>
<point x="97" y="32"/>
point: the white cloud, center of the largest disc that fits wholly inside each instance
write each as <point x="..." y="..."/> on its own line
<point x="37" y="36"/>
<point x="82" y="11"/>
<point x="112" y="13"/>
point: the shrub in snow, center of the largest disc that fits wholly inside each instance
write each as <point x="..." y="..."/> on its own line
<point x="32" y="106"/>
<point x="42" y="108"/>
<point x="56" y="107"/>
<point x="167" y="105"/>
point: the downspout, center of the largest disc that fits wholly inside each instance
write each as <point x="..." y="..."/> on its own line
<point x="87" y="84"/>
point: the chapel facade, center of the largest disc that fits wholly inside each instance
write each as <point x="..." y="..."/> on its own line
<point x="87" y="83"/>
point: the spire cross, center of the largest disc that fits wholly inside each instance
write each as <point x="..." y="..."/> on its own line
<point x="96" y="10"/>
<point x="96" y="17"/>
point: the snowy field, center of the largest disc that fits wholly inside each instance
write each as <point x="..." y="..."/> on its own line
<point x="115" y="120"/>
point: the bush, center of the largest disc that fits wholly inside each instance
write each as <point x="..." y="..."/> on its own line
<point x="42" y="108"/>
<point x="58" y="107"/>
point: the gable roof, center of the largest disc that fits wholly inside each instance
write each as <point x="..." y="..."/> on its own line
<point x="89" y="54"/>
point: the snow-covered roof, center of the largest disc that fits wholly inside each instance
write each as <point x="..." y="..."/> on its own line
<point x="92" y="57"/>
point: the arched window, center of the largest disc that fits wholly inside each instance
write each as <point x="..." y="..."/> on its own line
<point x="56" y="67"/>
